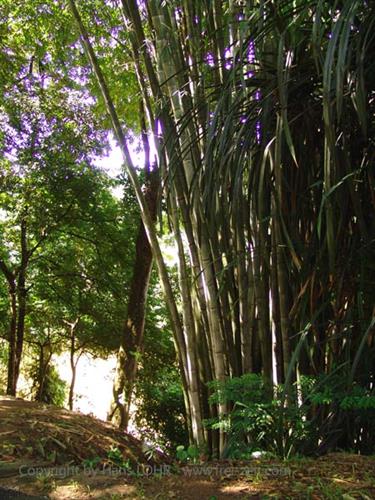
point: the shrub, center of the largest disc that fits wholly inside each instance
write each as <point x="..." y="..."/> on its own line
<point x="259" y="419"/>
<point x="318" y="415"/>
<point x="160" y="412"/>
<point x="54" y="388"/>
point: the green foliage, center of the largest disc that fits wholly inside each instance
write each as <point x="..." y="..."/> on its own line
<point x="160" y="409"/>
<point x="54" y="388"/>
<point x="360" y="399"/>
<point x="91" y="463"/>
<point x="77" y="245"/>
<point x="257" y="420"/>
<point x="190" y="454"/>
<point x="304" y="422"/>
<point x="334" y="392"/>
<point x="160" y="415"/>
<point x="82" y="276"/>
<point x="116" y="458"/>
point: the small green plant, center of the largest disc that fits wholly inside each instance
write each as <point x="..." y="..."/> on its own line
<point x="190" y="454"/>
<point x="151" y="450"/>
<point x="116" y="458"/>
<point x="141" y="490"/>
<point x="258" y="477"/>
<point x="7" y="448"/>
<point x="91" y="463"/>
<point x="305" y="491"/>
<point x="369" y="478"/>
<point x="329" y="491"/>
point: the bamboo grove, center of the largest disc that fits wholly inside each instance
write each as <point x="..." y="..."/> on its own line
<point x="263" y="116"/>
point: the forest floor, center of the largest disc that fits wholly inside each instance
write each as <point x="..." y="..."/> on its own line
<point x="58" y="454"/>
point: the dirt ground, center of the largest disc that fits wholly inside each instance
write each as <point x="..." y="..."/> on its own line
<point x="59" y="455"/>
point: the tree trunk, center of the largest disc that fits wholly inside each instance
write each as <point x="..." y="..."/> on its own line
<point x="12" y="379"/>
<point x="73" y="361"/>
<point x="132" y="339"/>
<point x="44" y="360"/>
<point x="18" y="297"/>
<point x="282" y="277"/>
<point x="20" y="331"/>
<point x="190" y="336"/>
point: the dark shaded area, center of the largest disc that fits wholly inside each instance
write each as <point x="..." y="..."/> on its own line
<point x="7" y="494"/>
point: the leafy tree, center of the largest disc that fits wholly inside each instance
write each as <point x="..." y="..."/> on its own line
<point x="43" y="52"/>
<point x="47" y="146"/>
<point x="83" y="275"/>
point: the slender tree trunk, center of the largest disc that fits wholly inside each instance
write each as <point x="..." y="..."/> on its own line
<point x="282" y="277"/>
<point x="73" y="367"/>
<point x="173" y="73"/>
<point x="73" y="361"/>
<point x="190" y="336"/>
<point x="245" y="294"/>
<point x="12" y="379"/>
<point x="276" y="312"/>
<point x="261" y="283"/>
<point x="20" y="331"/>
<point x="41" y="374"/>
<point x="44" y="360"/>
<point x="18" y="302"/>
<point x="132" y="339"/>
